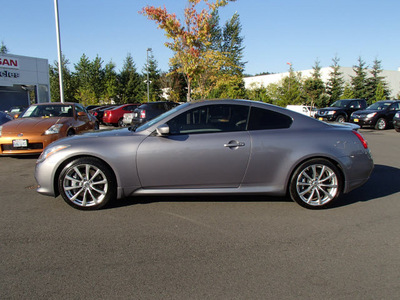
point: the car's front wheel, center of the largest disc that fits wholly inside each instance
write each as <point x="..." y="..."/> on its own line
<point x="87" y="184"/>
<point x="381" y="124"/>
<point x="316" y="183"/>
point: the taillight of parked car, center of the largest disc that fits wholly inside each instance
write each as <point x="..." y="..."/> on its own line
<point x="143" y="114"/>
<point x="362" y="140"/>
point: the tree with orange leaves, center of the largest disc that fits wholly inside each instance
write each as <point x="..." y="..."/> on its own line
<point x="190" y="41"/>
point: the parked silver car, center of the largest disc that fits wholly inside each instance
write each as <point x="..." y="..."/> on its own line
<point x="209" y="147"/>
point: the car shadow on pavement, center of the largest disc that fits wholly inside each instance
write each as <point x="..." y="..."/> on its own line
<point x="384" y="181"/>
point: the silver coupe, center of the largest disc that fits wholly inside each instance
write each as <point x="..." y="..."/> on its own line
<point x="209" y="147"/>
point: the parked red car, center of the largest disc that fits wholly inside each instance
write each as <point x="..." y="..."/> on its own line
<point x="115" y="115"/>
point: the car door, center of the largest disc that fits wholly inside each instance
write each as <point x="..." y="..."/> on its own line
<point x="207" y="147"/>
<point x="82" y="122"/>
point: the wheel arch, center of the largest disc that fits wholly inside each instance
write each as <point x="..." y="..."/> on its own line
<point x="305" y="159"/>
<point x="71" y="159"/>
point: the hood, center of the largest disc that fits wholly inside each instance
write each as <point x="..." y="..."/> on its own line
<point x="31" y="125"/>
<point x="330" y="108"/>
<point x="366" y="111"/>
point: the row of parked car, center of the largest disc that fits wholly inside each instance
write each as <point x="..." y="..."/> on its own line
<point x="134" y="114"/>
<point x="380" y="115"/>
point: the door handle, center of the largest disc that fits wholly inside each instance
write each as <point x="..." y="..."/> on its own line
<point x="234" y="144"/>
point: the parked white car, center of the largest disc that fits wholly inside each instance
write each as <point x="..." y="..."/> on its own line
<point x="303" y="109"/>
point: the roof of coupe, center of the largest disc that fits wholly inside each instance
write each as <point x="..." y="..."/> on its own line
<point x="202" y="147"/>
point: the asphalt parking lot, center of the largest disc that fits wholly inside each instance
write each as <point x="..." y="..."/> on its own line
<point x="203" y="247"/>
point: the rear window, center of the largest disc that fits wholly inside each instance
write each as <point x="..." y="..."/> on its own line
<point x="261" y="119"/>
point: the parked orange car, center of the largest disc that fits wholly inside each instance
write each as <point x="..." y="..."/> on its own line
<point x="42" y="124"/>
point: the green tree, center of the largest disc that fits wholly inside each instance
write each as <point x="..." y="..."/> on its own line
<point x="314" y="88"/>
<point x="69" y="82"/>
<point x="359" y="81"/>
<point x="347" y="92"/>
<point x="110" y="83"/>
<point x="86" y="74"/>
<point x="3" y="48"/>
<point x="375" y="81"/>
<point x="290" y="90"/>
<point x="174" y="84"/>
<point x="335" y="84"/>
<point x="380" y="92"/>
<point x="155" y="91"/>
<point x="130" y="83"/>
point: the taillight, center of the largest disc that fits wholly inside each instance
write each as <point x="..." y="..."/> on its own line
<point x="143" y="114"/>
<point x="362" y="140"/>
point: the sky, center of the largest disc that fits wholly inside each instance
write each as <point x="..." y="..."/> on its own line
<point x="275" y="32"/>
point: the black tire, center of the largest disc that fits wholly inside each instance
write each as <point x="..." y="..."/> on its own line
<point x="381" y="124"/>
<point x="316" y="184"/>
<point x="87" y="184"/>
<point x="341" y="119"/>
<point x="70" y="132"/>
<point x="96" y="126"/>
<point x="120" y="122"/>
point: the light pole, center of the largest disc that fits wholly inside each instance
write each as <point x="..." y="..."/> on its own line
<point x="148" y="86"/>
<point x="60" y="75"/>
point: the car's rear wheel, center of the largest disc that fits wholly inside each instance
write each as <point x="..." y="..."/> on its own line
<point x="381" y="124"/>
<point x="316" y="183"/>
<point x="87" y="184"/>
<point x="121" y="122"/>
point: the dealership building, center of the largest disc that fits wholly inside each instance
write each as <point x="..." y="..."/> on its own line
<point x="392" y="78"/>
<point x="20" y="75"/>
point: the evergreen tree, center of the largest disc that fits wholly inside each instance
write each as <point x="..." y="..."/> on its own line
<point x="175" y="85"/>
<point x="155" y="91"/>
<point x="291" y="89"/>
<point x="359" y="81"/>
<point x="110" y="83"/>
<point x="130" y="83"/>
<point x="69" y="82"/>
<point x="334" y="86"/>
<point x="374" y="81"/>
<point x="86" y="92"/>
<point x="3" y="48"/>
<point x="380" y="92"/>
<point x="347" y="92"/>
<point x="315" y="88"/>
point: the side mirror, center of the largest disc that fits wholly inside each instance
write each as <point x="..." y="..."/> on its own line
<point x="162" y="130"/>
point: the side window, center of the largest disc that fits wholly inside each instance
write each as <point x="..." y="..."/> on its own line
<point x="210" y="118"/>
<point x="79" y="108"/>
<point x="261" y="119"/>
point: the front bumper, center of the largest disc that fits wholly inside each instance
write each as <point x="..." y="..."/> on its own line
<point x="329" y="118"/>
<point x="35" y="145"/>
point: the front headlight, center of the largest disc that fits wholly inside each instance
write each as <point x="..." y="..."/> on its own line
<point x="371" y="115"/>
<point x="397" y="115"/>
<point x="50" y="151"/>
<point x="54" y="129"/>
<point x="331" y="112"/>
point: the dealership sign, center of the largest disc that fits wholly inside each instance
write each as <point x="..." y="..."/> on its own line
<point x="9" y="62"/>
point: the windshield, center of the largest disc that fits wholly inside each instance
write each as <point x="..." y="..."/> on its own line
<point x="160" y="117"/>
<point x="42" y="111"/>
<point x="379" y="106"/>
<point x="340" y="103"/>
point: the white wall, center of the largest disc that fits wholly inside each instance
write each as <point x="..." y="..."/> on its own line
<point x="391" y="77"/>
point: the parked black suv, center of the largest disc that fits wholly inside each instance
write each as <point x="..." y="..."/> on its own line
<point x="150" y="110"/>
<point x="378" y="115"/>
<point x="341" y="110"/>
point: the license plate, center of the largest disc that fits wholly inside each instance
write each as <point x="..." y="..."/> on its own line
<point x="356" y="120"/>
<point x="20" y="143"/>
